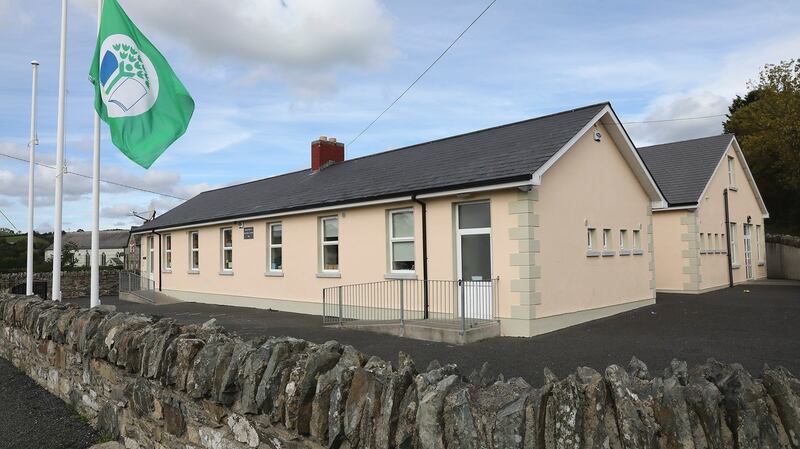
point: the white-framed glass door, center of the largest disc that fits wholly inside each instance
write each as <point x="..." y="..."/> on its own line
<point x="474" y="257"/>
<point x="748" y="253"/>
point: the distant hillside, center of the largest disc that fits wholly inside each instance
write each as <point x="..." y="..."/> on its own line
<point x="13" y="249"/>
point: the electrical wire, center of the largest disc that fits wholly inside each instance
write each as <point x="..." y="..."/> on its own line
<point x="101" y="180"/>
<point x="9" y="220"/>
<point x="679" y="119"/>
<point x="423" y="73"/>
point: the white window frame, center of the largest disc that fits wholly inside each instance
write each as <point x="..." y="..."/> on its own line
<point x="636" y="244"/>
<point x="151" y="266"/>
<point x="716" y="242"/>
<point x="166" y="263"/>
<point x="703" y="243"/>
<point x="590" y="238"/>
<point x="271" y="245"/>
<point x="723" y="244"/>
<point x="323" y="244"/>
<point x="732" y="239"/>
<point x="193" y="250"/>
<point x="759" y="246"/>
<point x="623" y="237"/>
<point x="224" y="248"/>
<point x="731" y="173"/>
<point x="393" y="240"/>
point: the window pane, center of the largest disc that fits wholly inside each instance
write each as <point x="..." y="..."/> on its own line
<point x="227" y="237"/>
<point x="195" y="241"/>
<point x="403" y="251"/>
<point x="474" y="215"/>
<point x="227" y="259"/>
<point x="276" y="259"/>
<point x="277" y="234"/>
<point x="169" y="260"/>
<point x="403" y="224"/>
<point x="330" y="257"/>
<point x="168" y="242"/>
<point x="330" y="229"/>
<point x="476" y="259"/>
<point x="195" y="259"/>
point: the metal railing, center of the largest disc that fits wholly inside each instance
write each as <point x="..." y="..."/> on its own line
<point x="461" y="303"/>
<point x="130" y="282"/>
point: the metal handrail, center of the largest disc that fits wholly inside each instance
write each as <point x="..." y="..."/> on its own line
<point x="462" y="303"/>
<point x="130" y="282"/>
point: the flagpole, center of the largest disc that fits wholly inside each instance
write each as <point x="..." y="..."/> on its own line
<point x="94" y="296"/>
<point x="31" y="163"/>
<point x="62" y="74"/>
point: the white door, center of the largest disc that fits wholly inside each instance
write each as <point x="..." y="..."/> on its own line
<point x="474" y="254"/>
<point x="748" y="257"/>
<point x="150" y="257"/>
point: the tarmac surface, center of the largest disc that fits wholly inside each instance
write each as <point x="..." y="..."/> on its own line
<point x="31" y="417"/>
<point x="752" y="324"/>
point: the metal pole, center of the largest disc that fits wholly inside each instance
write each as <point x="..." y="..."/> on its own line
<point x="402" y="322"/>
<point x="31" y="164"/>
<point x="94" y="292"/>
<point x="62" y="75"/>
<point x="463" y="312"/>
<point x="340" y="305"/>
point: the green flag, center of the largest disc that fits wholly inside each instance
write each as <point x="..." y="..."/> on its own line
<point x="144" y="103"/>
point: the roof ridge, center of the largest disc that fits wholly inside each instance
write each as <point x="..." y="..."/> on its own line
<point x="688" y="140"/>
<point x="490" y="128"/>
<point x="416" y="144"/>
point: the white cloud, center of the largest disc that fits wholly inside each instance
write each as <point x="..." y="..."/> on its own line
<point x="670" y="106"/>
<point x="293" y="36"/>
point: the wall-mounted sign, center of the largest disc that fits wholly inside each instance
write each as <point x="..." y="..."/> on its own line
<point x="248" y="233"/>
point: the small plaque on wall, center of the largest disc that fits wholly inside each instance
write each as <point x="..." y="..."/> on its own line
<point x="248" y="233"/>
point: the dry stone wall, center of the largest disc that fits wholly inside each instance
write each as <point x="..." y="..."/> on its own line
<point x="152" y="383"/>
<point x="74" y="284"/>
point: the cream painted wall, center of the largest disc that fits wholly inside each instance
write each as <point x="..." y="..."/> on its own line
<point x="669" y="248"/>
<point x="711" y="219"/>
<point x="363" y="254"/>
<point x="590" y="182"/>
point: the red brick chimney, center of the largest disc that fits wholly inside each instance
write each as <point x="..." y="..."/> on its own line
<point x="326" y="151"/>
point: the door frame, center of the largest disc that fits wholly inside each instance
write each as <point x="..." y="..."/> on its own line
<point x="747" y="250"/>
<point x="473" y="231"/>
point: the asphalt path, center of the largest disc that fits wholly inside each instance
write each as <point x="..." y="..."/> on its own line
<point x="749" y="324"/>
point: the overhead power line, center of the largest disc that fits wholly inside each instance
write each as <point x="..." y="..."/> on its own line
<point x="423" y="72"/>
<point x="9" y="220"/>
<point x="118" y="184"/>
<point x="679" y="119"/>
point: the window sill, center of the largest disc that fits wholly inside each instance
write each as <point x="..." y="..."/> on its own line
<point x="761" y="264"/>
<point x="609" y="253"/>
<point x="329" y="274"/>
<point x="193" y="272"/>
<point x="166" y="270"/>
<point x="735" y="266"/>
<point x="226" y="273"/>
<point x="274" y="274"/>
<point x="624" y="252"/>
<point x="733" y="189"/>
<point x="400" y="276"/>
<point x="637" y="252"/>
<point x="592" y="253"/>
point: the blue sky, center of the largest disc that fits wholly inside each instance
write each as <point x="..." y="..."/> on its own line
<point x="270" y="76"/>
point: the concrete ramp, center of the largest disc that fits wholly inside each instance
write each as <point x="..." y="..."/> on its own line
<point x="430" y="330"/>
<point x="148" y="297"/>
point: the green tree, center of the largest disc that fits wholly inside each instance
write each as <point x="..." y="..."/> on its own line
<point x="766" y="122"/>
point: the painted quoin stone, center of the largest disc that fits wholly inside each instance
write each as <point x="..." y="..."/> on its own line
<point x="153" y="384"/>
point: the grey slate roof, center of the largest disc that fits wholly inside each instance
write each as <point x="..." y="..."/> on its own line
<point x="501" y="154"/>
<point x="682" y="169"/>
<point x="111" y="239"/>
